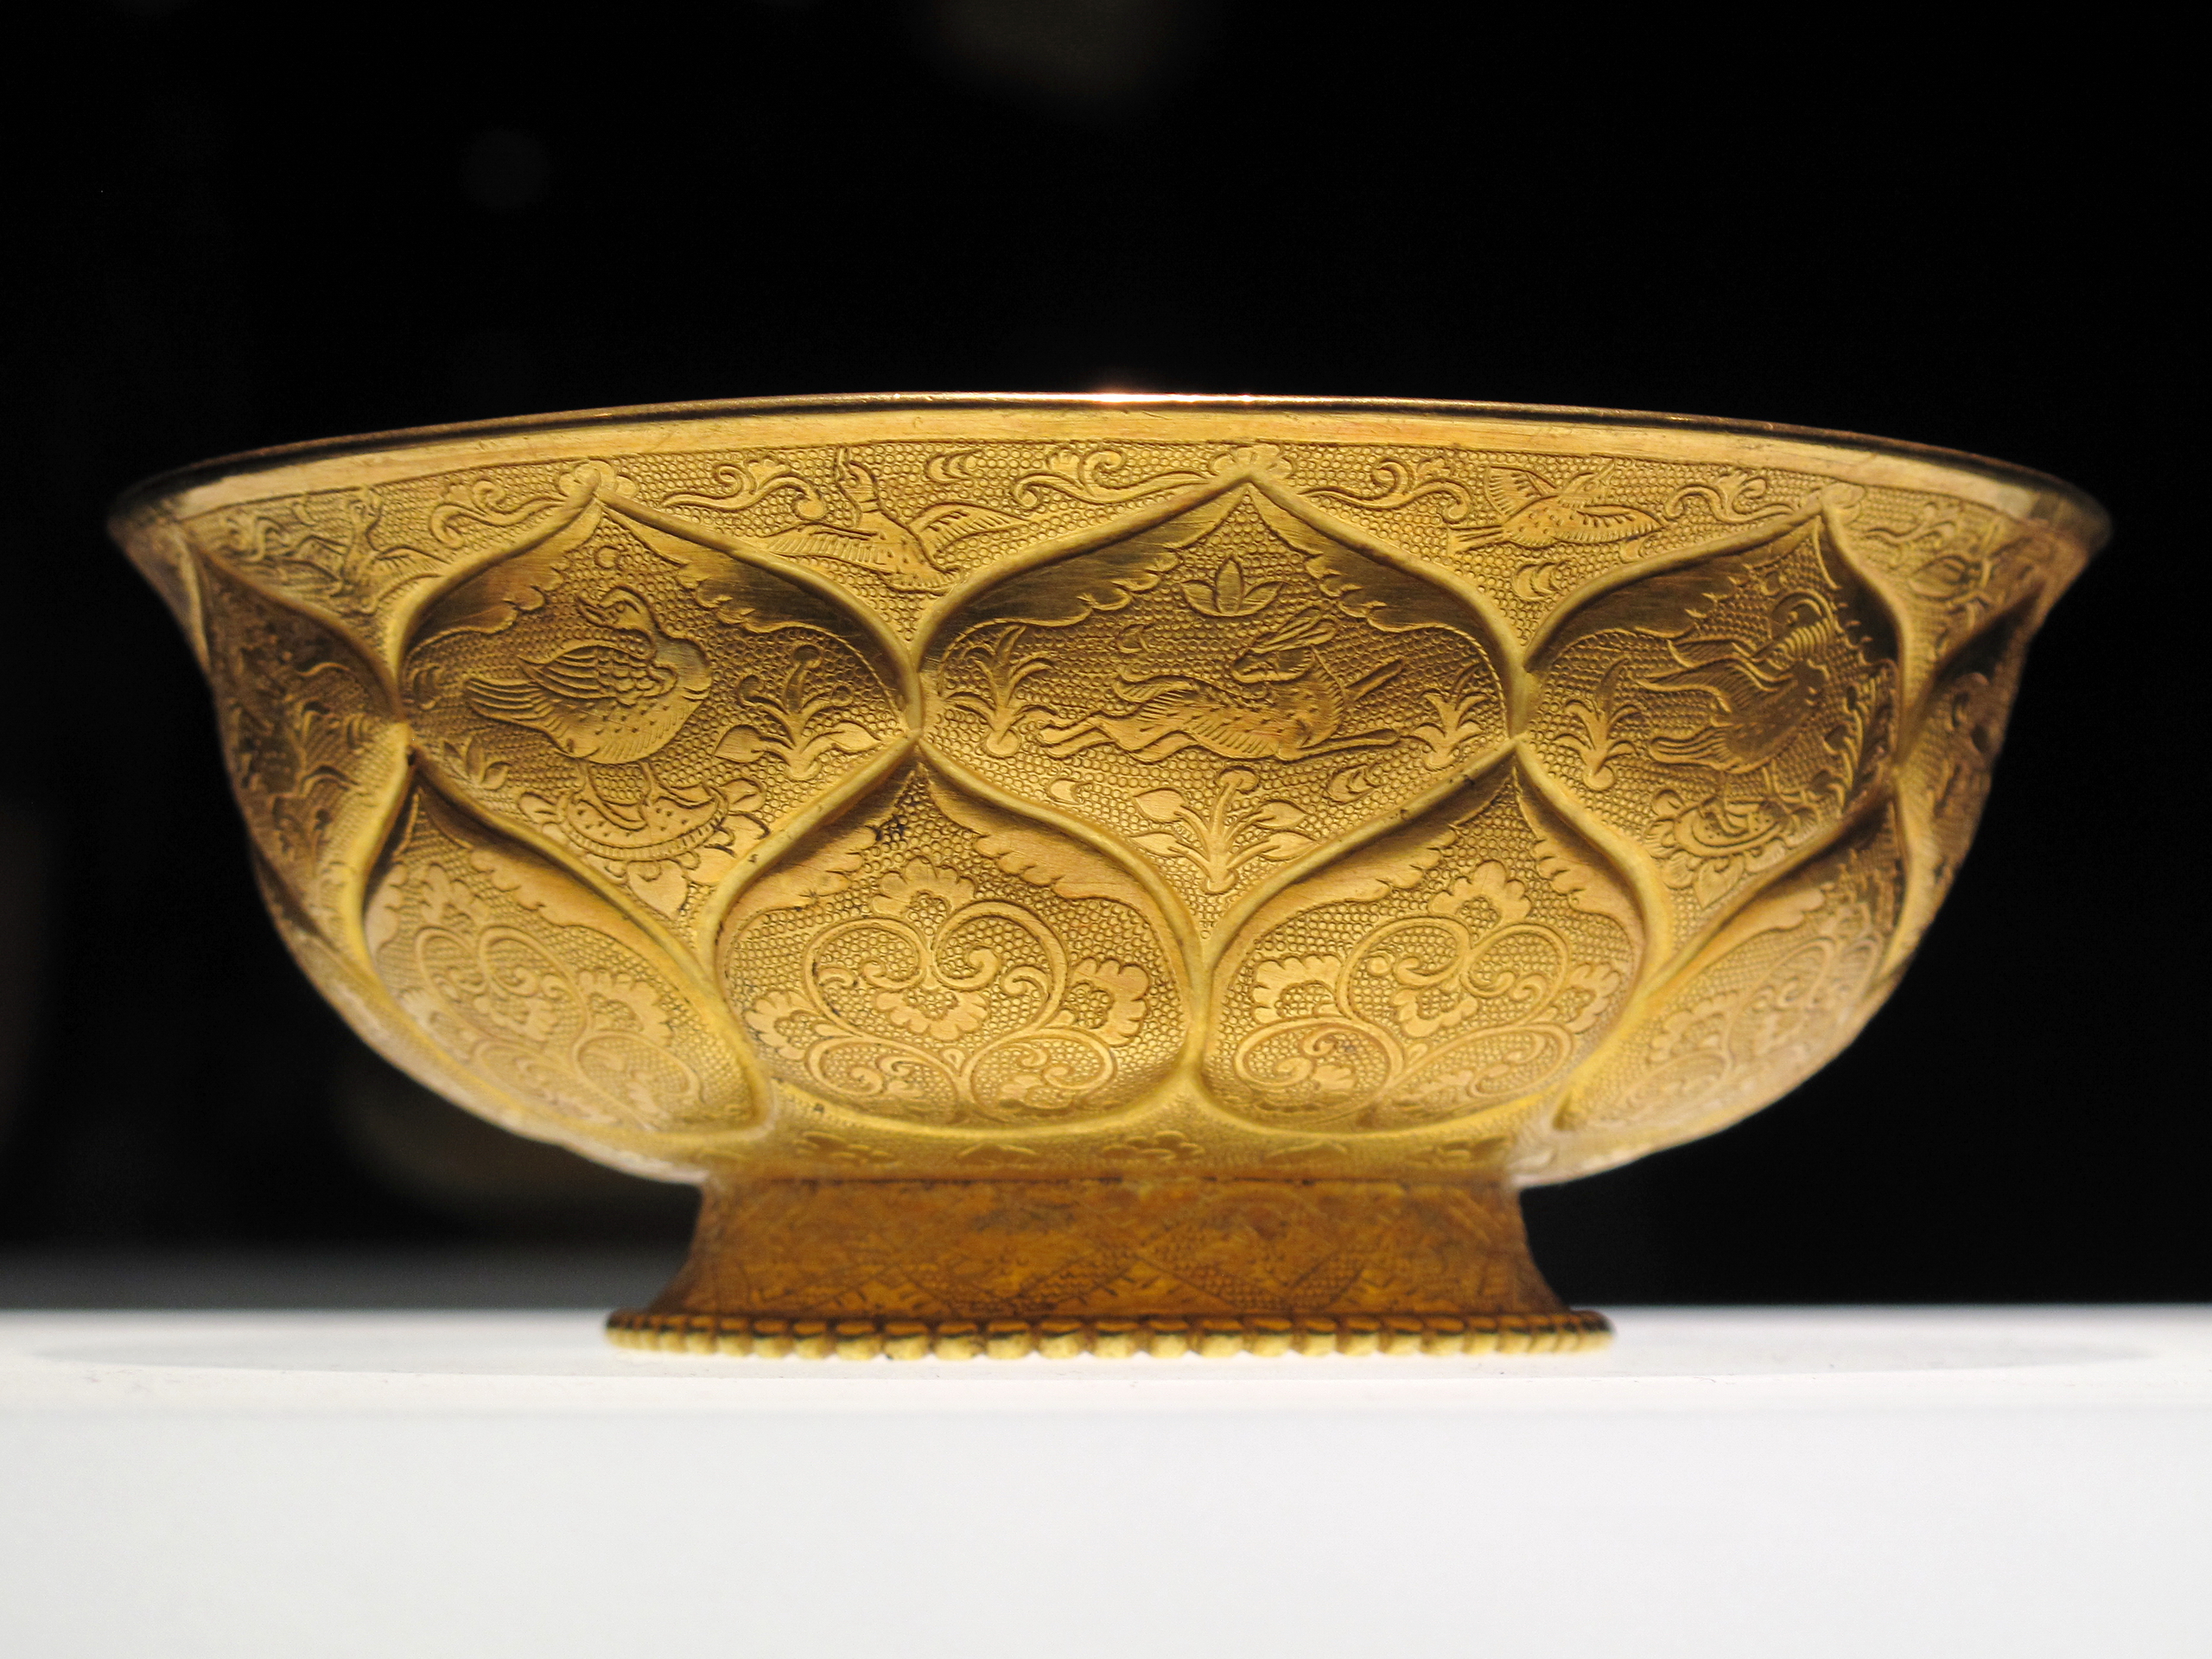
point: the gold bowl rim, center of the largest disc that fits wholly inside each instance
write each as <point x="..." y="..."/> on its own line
<point x="2094" y="530"/>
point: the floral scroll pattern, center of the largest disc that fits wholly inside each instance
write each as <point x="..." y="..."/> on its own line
<point x="519" y="976"/>
<point x="1773" y="997"/>
<point x="1466" y="961"/>
<point x="933" y="963"/>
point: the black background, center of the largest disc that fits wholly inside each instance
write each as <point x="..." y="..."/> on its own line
<point x="252" y="223"/>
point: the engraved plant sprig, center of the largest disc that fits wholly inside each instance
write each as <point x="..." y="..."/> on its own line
<point x="1594" y="741"/>
<point x="1455" y="720"/>
<point x="1219" y="839"/>
<point x="795" y="722"/>
<point x="1001" y="668"/>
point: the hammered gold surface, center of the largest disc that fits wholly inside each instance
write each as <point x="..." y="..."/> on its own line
<point x="952" y="790"/>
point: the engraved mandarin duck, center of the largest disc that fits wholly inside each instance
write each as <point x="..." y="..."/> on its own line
<point x="903" y="553"/>
<point x="601" y="703"/>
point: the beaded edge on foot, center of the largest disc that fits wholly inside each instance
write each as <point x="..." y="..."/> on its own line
<point x="1576" y="1330"/>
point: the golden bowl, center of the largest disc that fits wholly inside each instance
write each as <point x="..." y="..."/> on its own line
<point x="1124" y="874"/>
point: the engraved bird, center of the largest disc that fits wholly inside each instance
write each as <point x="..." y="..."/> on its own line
<point x="1759" y="695"/>
<point x="904" y="554"/>
<point x="345" y="558"/>
<point x="1296" y="706"/>
<point x="1533" y="512"/>
<point x="604" y="703"/>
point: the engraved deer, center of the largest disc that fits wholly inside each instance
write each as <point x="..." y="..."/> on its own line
<point x="1287" y="703"/>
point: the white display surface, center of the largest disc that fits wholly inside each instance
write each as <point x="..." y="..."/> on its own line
<point x="1793" y="1484"/>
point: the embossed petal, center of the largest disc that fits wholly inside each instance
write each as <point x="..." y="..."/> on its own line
<point x="1465" y="960"/>
<point x="1226" y="689"/>
<point x="317" y="757"/>
<point x="930" y="956"/>
<point x="1944" y="777"/>
<point x="1724" y="711"/>
<point x="1770" y="998"/>
<point x="643" y="706"/>
<point x="522" y="974"/>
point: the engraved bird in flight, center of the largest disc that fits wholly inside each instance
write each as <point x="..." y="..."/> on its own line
<point x="344" y="558"/>
<point x="1287" y="703"/>
<point x="1533" y="512"/>
<point x="903" y="553"/>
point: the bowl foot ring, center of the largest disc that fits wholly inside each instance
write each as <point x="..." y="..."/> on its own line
<point x="1575" y="1330"/>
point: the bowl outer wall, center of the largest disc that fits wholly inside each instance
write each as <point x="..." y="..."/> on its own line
<point x="150" y="520"/>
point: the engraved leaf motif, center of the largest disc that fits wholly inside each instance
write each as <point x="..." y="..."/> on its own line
<point x="1227" y="595"/>
<point x="1167" y="1147"/>
<point x="1221" y="838"/>
<point x="1160" y="805"/>
<point x="1125" y="985"/>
